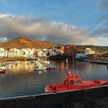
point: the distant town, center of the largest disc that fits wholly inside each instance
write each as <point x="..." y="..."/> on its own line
<point x="25" y="49"/>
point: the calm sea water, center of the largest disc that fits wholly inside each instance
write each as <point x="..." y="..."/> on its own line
<point x="24" y="80"/>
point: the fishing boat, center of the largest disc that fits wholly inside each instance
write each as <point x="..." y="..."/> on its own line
<point x="45" y="68"/>
<point x="39" y="67"/>
<point x="2" y="71"/>
<point x="73" y="82"/>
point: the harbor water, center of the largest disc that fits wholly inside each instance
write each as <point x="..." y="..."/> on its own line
<point x="22" y="79"/>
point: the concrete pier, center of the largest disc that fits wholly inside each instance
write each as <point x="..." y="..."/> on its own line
<point x="89" y="98"/>
<point x="96" y="61"/>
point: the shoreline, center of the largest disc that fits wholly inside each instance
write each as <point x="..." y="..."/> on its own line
<point x="15" y="59"/>
<point x="96" y="61"/>
<point x="20" y="58"/>
<point x="105" y="62"/>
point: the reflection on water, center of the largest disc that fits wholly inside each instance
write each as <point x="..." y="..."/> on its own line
<point x="23" y="67"/>
<point x="61" y="66"/>
<point x="21" y="79"/>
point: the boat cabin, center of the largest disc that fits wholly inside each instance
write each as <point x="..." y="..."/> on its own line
<point x="72" y="80"/>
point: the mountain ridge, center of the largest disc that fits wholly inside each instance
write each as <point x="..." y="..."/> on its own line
<point x="24" y="42"/>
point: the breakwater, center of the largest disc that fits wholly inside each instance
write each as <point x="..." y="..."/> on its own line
<point x="96" y="61"/>
<point x="89" y="98"/>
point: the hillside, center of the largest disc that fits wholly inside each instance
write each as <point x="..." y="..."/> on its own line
<point x="23" y="42"/>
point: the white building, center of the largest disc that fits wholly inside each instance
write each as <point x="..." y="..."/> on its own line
<point x="3" y="52"/>
<point x="28" y="52"/>
<point x="89" y="51"/>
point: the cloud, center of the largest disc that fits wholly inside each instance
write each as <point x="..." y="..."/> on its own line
<point x="102" y="21"/>
<point x="3" y="39"/>
<point x="103" y="5"/>
<point x="13" y="26"/>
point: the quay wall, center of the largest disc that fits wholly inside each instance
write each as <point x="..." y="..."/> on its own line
<point x="89" y="98"/>
<point x="96" y="61"/>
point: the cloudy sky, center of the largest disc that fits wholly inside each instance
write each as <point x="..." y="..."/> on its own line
<point x="60" y="21"/>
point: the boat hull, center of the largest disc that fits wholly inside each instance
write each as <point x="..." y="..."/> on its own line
<point x="54" y="88"/>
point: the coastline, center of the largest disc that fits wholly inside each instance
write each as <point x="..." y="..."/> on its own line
<point x="99" y="61"/>
<point x="104" y="62"/>
<point x="13" y="59"/>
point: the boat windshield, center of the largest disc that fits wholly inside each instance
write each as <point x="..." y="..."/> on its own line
<point x="75" y="82"/>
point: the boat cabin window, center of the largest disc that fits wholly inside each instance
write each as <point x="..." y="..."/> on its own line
<point x="75" y="82"/>
<point x="72" y="82"/>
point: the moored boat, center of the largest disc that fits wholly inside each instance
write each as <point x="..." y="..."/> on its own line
<point x="44" y="68"/>
<point x="2" y="71"/>
<point x="73" y="82"/>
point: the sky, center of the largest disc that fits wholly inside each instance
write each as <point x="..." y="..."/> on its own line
<point x="83" y="22"/>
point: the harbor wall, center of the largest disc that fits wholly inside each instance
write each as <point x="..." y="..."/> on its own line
<point x="96" y="61"/>
<point x="90" y="98"/>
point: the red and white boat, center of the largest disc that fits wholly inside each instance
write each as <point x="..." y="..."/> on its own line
<point x="73" y="82"/>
